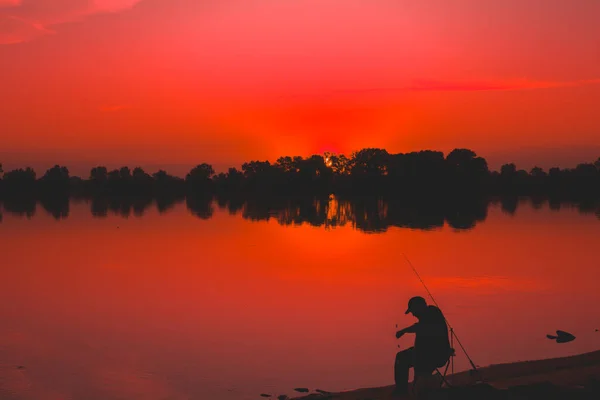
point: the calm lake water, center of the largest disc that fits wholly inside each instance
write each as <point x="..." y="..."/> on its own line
<point x="185" y="305"/>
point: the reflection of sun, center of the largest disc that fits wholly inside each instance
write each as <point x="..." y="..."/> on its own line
<point x="338" y="214"/>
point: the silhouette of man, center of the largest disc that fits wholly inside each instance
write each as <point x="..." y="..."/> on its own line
<point x="431" y="349"/>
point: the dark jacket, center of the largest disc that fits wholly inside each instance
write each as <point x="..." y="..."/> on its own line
<point x="432" y="344"/>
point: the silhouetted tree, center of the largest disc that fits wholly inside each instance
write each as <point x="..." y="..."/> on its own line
<point x="114" y="176"/>
<point x="313" y="174"/>
<point x="259" y="177"/>
<point x="337" y="162"/>
<point x="370" y="171"/>
<point x="142" y="182"/>
<point x="370" y="163"/>
<point x="368" y="168"/>
<point x="20" y="175"/>
<point x="537" y="173"/>
<point x="586" y="171"/>
<point x="99" y="175"/>
<point x="199" y="178"/>
<point x="56" y="178"/>
<point x="125" y="173"/>
<point x="256" y="169"/>
<point x="508" y="170"/>
<point x="139" y="175"/>
<point x="168" y="184"/>
<point x="288" y="164"/>
<point x="417" y="172"/>
<point x="233" y="181"/>
<point x="21" y="181"/>
<point x="467" y="170"/>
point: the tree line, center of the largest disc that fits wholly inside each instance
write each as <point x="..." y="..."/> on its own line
<point x="370" y="171"/>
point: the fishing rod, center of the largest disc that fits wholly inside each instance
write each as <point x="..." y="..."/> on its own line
<point x="453" y="332"/>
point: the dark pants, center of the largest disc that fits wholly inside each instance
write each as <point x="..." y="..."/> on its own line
<point x="423" y="366"/>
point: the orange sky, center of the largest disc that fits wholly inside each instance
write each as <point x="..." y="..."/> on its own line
<point x="171" y="83"/>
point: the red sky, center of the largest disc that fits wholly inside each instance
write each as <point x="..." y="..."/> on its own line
<point x="171" y="83"/>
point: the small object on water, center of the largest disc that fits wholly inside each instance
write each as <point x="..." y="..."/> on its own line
<point x="301" y="390"/>
<point x="265" y="395"/>
<point x="282" y="397"/>
<point x="20" y="367"/>
<point x="561" y="337"/>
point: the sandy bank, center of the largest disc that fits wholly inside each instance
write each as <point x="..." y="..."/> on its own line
<point x="568" y="377"/>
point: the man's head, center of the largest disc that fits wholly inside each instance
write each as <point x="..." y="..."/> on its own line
<point x="417" y="306"/>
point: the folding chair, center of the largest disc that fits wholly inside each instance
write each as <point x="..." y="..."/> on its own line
<point x="450" y="361"/>
<point x="437" y="371"/>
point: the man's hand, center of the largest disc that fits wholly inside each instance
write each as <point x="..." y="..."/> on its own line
<point x="400" y="333"/>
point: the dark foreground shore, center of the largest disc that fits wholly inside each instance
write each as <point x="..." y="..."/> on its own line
<point x="574" y="377"/>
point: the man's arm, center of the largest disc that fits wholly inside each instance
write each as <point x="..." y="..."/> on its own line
<point x="411" y="329"/>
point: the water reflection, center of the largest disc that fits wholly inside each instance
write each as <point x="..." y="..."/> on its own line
<point x="203" y="303"/>
<point x="368" y="214"/>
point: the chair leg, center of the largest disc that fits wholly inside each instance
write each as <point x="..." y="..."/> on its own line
<point x="443" y="376"/>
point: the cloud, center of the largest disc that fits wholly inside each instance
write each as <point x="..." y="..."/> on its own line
<point x="474" y="86"/>
<point x="26" y="20"/>
<point x="425" y="85"/>
<point x="113" y="5"/>
<point x="16" y="30"/>
<point x="10" y="3"/>
<point x="490" y="284"/>
<point x="500" y="85"/>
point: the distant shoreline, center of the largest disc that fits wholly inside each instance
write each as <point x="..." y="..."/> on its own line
<point x="370" y="171"/>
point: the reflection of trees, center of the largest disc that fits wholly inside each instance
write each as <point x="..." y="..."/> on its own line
<point x="509" y="204"/>
<point x="233" y="203"/>
<point x="587" y="207"/>
<point x="165" y="202"/>
<point x="23" y="206"/>
<point x="57" y="206"/>
<point x="99" y="207"/>
<point x="123" y="206"/>
<point x="368" y="214"/>
<point x="466" y="213"/>
<point x="200" y="205"/>
<point x="339" y="213"/>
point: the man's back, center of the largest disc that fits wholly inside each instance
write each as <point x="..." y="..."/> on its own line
<point x="432" y="335"/>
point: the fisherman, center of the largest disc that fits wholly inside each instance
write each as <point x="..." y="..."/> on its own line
<point x="431" y="349"/>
